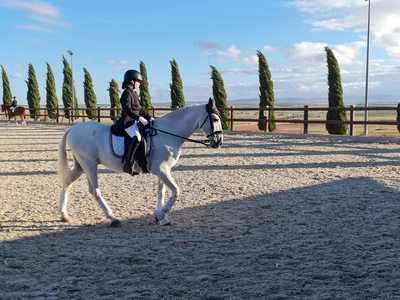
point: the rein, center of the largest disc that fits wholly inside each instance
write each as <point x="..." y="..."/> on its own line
<point x="179" y="136"/>
<point x="207" y="143"/>
<point x="182" y="137"/>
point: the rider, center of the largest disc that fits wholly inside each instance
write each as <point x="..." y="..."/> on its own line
<point x="13" y="105"/>
<point x="133" y="114"/>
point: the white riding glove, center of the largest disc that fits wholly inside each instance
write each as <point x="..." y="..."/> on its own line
<point x="143" y="121"/>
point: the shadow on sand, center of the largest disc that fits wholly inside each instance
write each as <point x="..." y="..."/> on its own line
<point x="336" y="240"/>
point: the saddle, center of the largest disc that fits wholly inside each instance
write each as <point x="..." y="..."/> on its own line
<point x="118" y="138"/>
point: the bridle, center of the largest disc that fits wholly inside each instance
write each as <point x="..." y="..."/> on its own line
<point x="213" y="131"/>
<point x="205" y="143"/>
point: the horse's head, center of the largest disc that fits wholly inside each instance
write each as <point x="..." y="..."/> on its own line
<point x="212" y="126"/>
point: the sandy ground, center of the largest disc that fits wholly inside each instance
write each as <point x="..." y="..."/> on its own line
<point x="265" y="217"/>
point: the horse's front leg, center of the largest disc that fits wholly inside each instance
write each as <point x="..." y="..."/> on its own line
<point x="161" y="194"/>
<point x="161" y="213"/>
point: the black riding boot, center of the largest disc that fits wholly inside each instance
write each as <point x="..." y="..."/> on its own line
<point x="129" y="156"/>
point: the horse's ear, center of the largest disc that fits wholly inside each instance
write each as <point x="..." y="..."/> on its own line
<point x="211" y="102"/>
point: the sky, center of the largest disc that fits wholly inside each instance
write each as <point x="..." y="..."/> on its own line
<point x="110" y="37"/>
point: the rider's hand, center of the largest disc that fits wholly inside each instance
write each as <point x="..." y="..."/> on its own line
<point x="143" y="121"/>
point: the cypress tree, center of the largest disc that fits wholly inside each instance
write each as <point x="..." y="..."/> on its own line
<point x="33" y="95"/>
<point x="7" y="96"/>
<point x="77" y="112"/>
<point x="90" y="96"/>
<point x="177" y="97"/>
<point x="51" y="95"/>
<point x="219" y="95"/>
<point x="336" y="102"/>
<point x="68" y="89"/>
<point x="113" y="91"/>
<point x="145" y="97"/>
<point x="267" y="96"/>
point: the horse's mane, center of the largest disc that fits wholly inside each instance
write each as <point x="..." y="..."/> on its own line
<point x="175" y="113"/>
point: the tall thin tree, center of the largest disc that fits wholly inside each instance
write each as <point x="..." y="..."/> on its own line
<point x="219" y="95"/>
<point x="67" y="89"/>
<point x="177" y="96"/>
<point x="7" y="95"/>
<point x="69" y="102"/>
<point x="336" y="110"/>
<point x="145" y="97"/>
<point x="33" y="95"/>
<point x="113" y="91"/>
<point x="51" y="94"/>
<point x="267" y="95"/>
<point x="89" y="95"/>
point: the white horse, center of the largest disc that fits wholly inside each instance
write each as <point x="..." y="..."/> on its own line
<point x="90" y="145"/>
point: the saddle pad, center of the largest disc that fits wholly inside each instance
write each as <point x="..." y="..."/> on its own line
<point x="117" y="145"/>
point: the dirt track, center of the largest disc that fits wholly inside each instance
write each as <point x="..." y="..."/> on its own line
<point x="265" y="217"/>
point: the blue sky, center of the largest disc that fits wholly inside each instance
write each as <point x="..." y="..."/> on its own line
<point x="110" y="37"/>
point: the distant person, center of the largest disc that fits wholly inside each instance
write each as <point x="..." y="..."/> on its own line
<point x="14" y="104"/>
<point x="133" y="115"/>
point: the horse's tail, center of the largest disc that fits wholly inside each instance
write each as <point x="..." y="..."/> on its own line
<point x="63" y="169"/>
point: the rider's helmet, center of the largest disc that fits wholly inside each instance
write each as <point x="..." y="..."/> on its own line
<point x="131" y="75"/>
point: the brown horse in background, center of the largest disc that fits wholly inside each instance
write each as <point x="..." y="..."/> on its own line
<point x="19" y="111"/>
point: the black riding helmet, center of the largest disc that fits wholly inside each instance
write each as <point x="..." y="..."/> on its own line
<point x="131" y="75"/>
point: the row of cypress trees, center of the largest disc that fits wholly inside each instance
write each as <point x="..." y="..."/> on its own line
<point x="70" y="102"/>
<point x="266" y="93"/>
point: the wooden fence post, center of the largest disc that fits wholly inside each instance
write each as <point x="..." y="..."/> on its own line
<point x="153" y="112"/>
<point x="351" y="120"/>
<point x="305" y="131"/>
<point x="98" y="114"/>
<point x="266" y="118"/>
<point x="231" y="120"/>
<point x="58" y="115"/>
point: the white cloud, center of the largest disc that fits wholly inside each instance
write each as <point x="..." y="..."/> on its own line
<point x="269" y="48"/>
<point x="17" y="75"/>
<point x="44" y="13"/>
<point x="208" y="45"/>
<point x="214" y="49"/>
<point x="307" y="52"/>
<point x="341" y="15"/>
<point x="251" y="60"/>
<point x="312" y="6"/>
<point x="231" y="53"/>
<point x="116" y="62"/>
<point x="39" y="10"/>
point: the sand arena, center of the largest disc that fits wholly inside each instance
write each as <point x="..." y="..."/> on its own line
<point x="267" y="216"/>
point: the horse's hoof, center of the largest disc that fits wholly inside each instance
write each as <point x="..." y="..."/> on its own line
<point x="65" y="219"/>
<point x="164" y="221"/>
<point x="115" y="223"/>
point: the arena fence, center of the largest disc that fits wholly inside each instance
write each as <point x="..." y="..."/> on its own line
<point x="102" y="114"/>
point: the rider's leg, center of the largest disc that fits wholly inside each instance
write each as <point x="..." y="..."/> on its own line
<point x="130" y="154"/>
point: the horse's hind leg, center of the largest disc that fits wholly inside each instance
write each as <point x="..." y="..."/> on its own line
<point x="91" y="171"/>
<point x="71" y="177"/>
